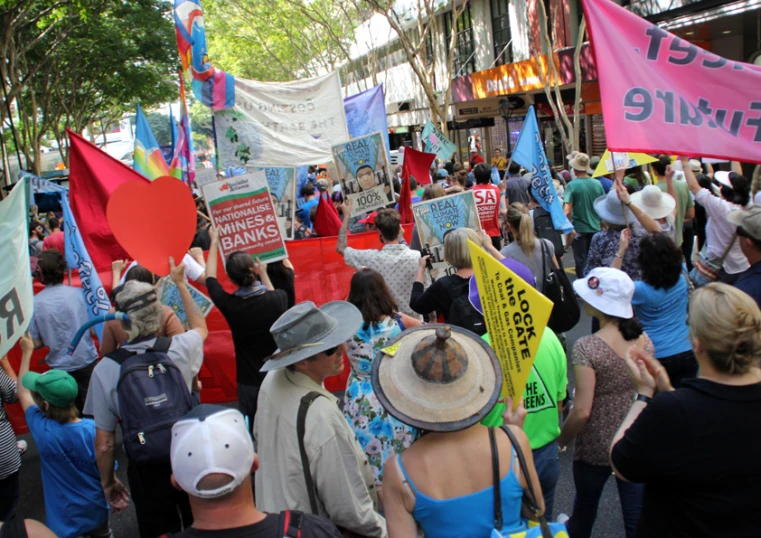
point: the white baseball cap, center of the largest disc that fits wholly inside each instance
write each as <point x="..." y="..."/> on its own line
<point x="211" y="439"/>
<point x="608" y="290"/>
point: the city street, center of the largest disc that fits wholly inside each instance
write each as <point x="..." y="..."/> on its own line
<point x="609" y="522"/>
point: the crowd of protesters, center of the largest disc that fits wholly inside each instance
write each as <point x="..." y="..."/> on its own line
<point x="667" y="380"/>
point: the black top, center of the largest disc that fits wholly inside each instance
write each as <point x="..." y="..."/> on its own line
<point x="250" y="320"/>
<point x="439" y="296"/>
<point x="269" y="527"/>
<point x="697" y="451"/>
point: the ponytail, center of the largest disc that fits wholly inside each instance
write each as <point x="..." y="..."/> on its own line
<point x="631" y="328"/>
<point x="519" y="218"/>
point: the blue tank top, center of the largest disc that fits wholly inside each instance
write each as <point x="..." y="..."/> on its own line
<point x="470" y="515"/>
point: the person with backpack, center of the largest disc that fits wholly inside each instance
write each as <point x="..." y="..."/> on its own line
<point x="449" y="294"/>
<point x="544" y="229"/>
<point x="217" y="480"/>
<point x="145" y="385"/>
<point x="74" y="501"/>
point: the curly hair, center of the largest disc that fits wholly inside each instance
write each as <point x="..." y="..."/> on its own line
<point x="660" y="259"/>
<point x="726" y="323"/>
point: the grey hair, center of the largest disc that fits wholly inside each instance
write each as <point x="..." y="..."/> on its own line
<point x="147" y="319"/>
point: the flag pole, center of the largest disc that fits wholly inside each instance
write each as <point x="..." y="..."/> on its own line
<point x="620" y="182"/>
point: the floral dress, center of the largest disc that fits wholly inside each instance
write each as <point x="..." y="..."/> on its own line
<point x="380" y="435"/>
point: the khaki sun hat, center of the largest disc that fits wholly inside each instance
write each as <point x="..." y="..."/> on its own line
<point x="440" y="378"/>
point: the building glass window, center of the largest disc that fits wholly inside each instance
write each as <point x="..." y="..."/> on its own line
<point x="464" y="56"/>
<point x="500" y="23"/>
<point x="429" y="48"/>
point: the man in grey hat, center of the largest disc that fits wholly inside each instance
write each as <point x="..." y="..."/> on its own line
<point x="748" y="224"/>
<point x="310" y="458"/>
<point x="580" y="195"/>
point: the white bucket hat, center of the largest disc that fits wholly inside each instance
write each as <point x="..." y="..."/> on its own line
<point x="609" y="209"/>
<point x="608" y="290"/>
<point x="654" y="202"/>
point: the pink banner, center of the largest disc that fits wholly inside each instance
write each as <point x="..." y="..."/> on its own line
<point x="662" y="94"/>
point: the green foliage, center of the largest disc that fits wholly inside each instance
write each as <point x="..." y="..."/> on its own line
<point x="279" y="40"/>
<point x="161" y="127"/>
<point x="201" y="124"/>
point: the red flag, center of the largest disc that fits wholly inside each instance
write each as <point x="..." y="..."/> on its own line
<point x="93" y="176"/>
<point x="327" y="223"/>
<point x="418" y="165"/>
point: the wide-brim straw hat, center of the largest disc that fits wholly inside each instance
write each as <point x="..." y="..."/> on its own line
<point x="608" y="208"/>
<point x="654" y="202"/>
<point x="440" y="378"/>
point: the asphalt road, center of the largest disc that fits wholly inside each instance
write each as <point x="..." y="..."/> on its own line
<point x="609" y="521"/>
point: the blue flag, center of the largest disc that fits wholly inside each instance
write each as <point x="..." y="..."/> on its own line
<point x="77" y="257"/>
<point x="437" y="142"/>
<point x="366" y="114"/>
<point x="175" y="136"/>
<point x="529" y="153"/>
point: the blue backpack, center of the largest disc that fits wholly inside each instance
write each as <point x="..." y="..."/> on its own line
<point x="152" y="396"/>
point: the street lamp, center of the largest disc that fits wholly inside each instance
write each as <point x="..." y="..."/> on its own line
<point x="506" y="106"/>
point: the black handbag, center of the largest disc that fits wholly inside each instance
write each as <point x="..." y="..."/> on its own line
<point x="557" y="288"/>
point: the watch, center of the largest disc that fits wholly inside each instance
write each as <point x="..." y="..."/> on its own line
<point x="642" y="398"/>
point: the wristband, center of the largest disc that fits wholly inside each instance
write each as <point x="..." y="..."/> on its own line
<point x="629" y="204"/>
<point x="643" y="398"/>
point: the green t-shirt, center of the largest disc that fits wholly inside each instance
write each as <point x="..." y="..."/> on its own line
<point x="684" y="202"/>
<point x="631" y="181"/>
<point x="545" y="387"/>
<point x="582" y="193"/>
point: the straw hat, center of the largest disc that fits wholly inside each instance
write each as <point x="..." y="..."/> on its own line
<point x="609" y="209"/>
<point x="441" y="378"/>
<point x="654" y="202"/>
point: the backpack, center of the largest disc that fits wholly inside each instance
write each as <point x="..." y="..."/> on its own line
<point x="545" y="230"/>
<point x="461" y="312"/>
<point x="152" y="396"/>
<point x="295" y="524"/>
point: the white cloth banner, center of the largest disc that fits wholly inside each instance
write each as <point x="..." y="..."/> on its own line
<point x="16" y="295"/>
<point x="281" y="123"/>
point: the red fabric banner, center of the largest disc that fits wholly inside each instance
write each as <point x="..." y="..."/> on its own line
<point x="93" y="177"/>
<point x="661" y="93"/>
<point x="417" y="164"/>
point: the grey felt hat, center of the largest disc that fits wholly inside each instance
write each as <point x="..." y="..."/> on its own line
<point x="305" y="330"/>
<point x="609" y="209"/>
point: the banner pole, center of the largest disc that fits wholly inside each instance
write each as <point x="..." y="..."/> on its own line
<point x="620" y="182"/>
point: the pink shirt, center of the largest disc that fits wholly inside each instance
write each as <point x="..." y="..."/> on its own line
<point x="54" y="241"/>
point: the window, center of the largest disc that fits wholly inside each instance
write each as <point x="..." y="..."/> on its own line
<point x="500" y="24"/>
<point x="464" y="56"/>
<point x="429" y="47"/>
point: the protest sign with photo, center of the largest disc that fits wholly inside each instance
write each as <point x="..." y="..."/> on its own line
<point x="434" y="218"/>
<point x="363" y="171"/>
<point x="282" y="184"/>
<point x="515" y="315"/>
<point x="243" y="212"/>
<point x="169" y="295"/>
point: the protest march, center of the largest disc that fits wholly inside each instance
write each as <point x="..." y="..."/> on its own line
<point x="430" y="271"/>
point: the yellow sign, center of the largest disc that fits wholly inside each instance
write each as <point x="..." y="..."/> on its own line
<point x="612" y="161"/>
<point x="391" y="350"/>
<point x="515" y="314"/>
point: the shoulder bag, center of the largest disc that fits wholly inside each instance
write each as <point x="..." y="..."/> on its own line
<point x="557" y="288"/>
<point x="529" y="529"/>
<point x="705" y="270"/>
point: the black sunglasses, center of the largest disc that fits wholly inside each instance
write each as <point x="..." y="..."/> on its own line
<point x="331" y="351"/>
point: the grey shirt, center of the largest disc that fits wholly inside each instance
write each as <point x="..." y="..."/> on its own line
<point x="59" y="312"/>
<point x="534" y="263"/>
<point x="186" y="351"/>
<point x="517" y="189"/>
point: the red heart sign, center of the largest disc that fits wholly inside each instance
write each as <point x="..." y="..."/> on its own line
<point x="153" y="221"/>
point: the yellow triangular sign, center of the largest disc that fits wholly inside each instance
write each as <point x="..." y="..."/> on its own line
<point x="611" y="161"/>
<point x="515" y="314"/>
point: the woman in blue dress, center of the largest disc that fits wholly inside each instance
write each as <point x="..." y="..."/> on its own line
<point x="380" y="435"/>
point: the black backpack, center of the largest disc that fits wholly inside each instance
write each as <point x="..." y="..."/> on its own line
<point x="152" y="396"/>
<point x="544" y="229"/>
<point x="295" y="524"/>
<point x="461" y="312"/>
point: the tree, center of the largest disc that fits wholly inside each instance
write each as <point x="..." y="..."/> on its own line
<point x="125" y="54"/>
<point x="279" y="40"/>
<point x="201" y="124"/>
<point x="569" y="129"/>
<point x="417" y="28"/>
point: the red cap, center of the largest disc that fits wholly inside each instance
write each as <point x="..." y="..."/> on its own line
<point x="370" y="219"/>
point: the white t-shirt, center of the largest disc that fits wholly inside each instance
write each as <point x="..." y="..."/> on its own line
<point x="193" y="269"/>
<point x="719" y="232"/>
<point x="757" y="198"/>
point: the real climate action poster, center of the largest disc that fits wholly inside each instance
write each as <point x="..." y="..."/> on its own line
<point x="434" y="218"/>
<point x="364" y="173"/>
<point x="243" y="211"/>
<point x="282" y="184"/>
